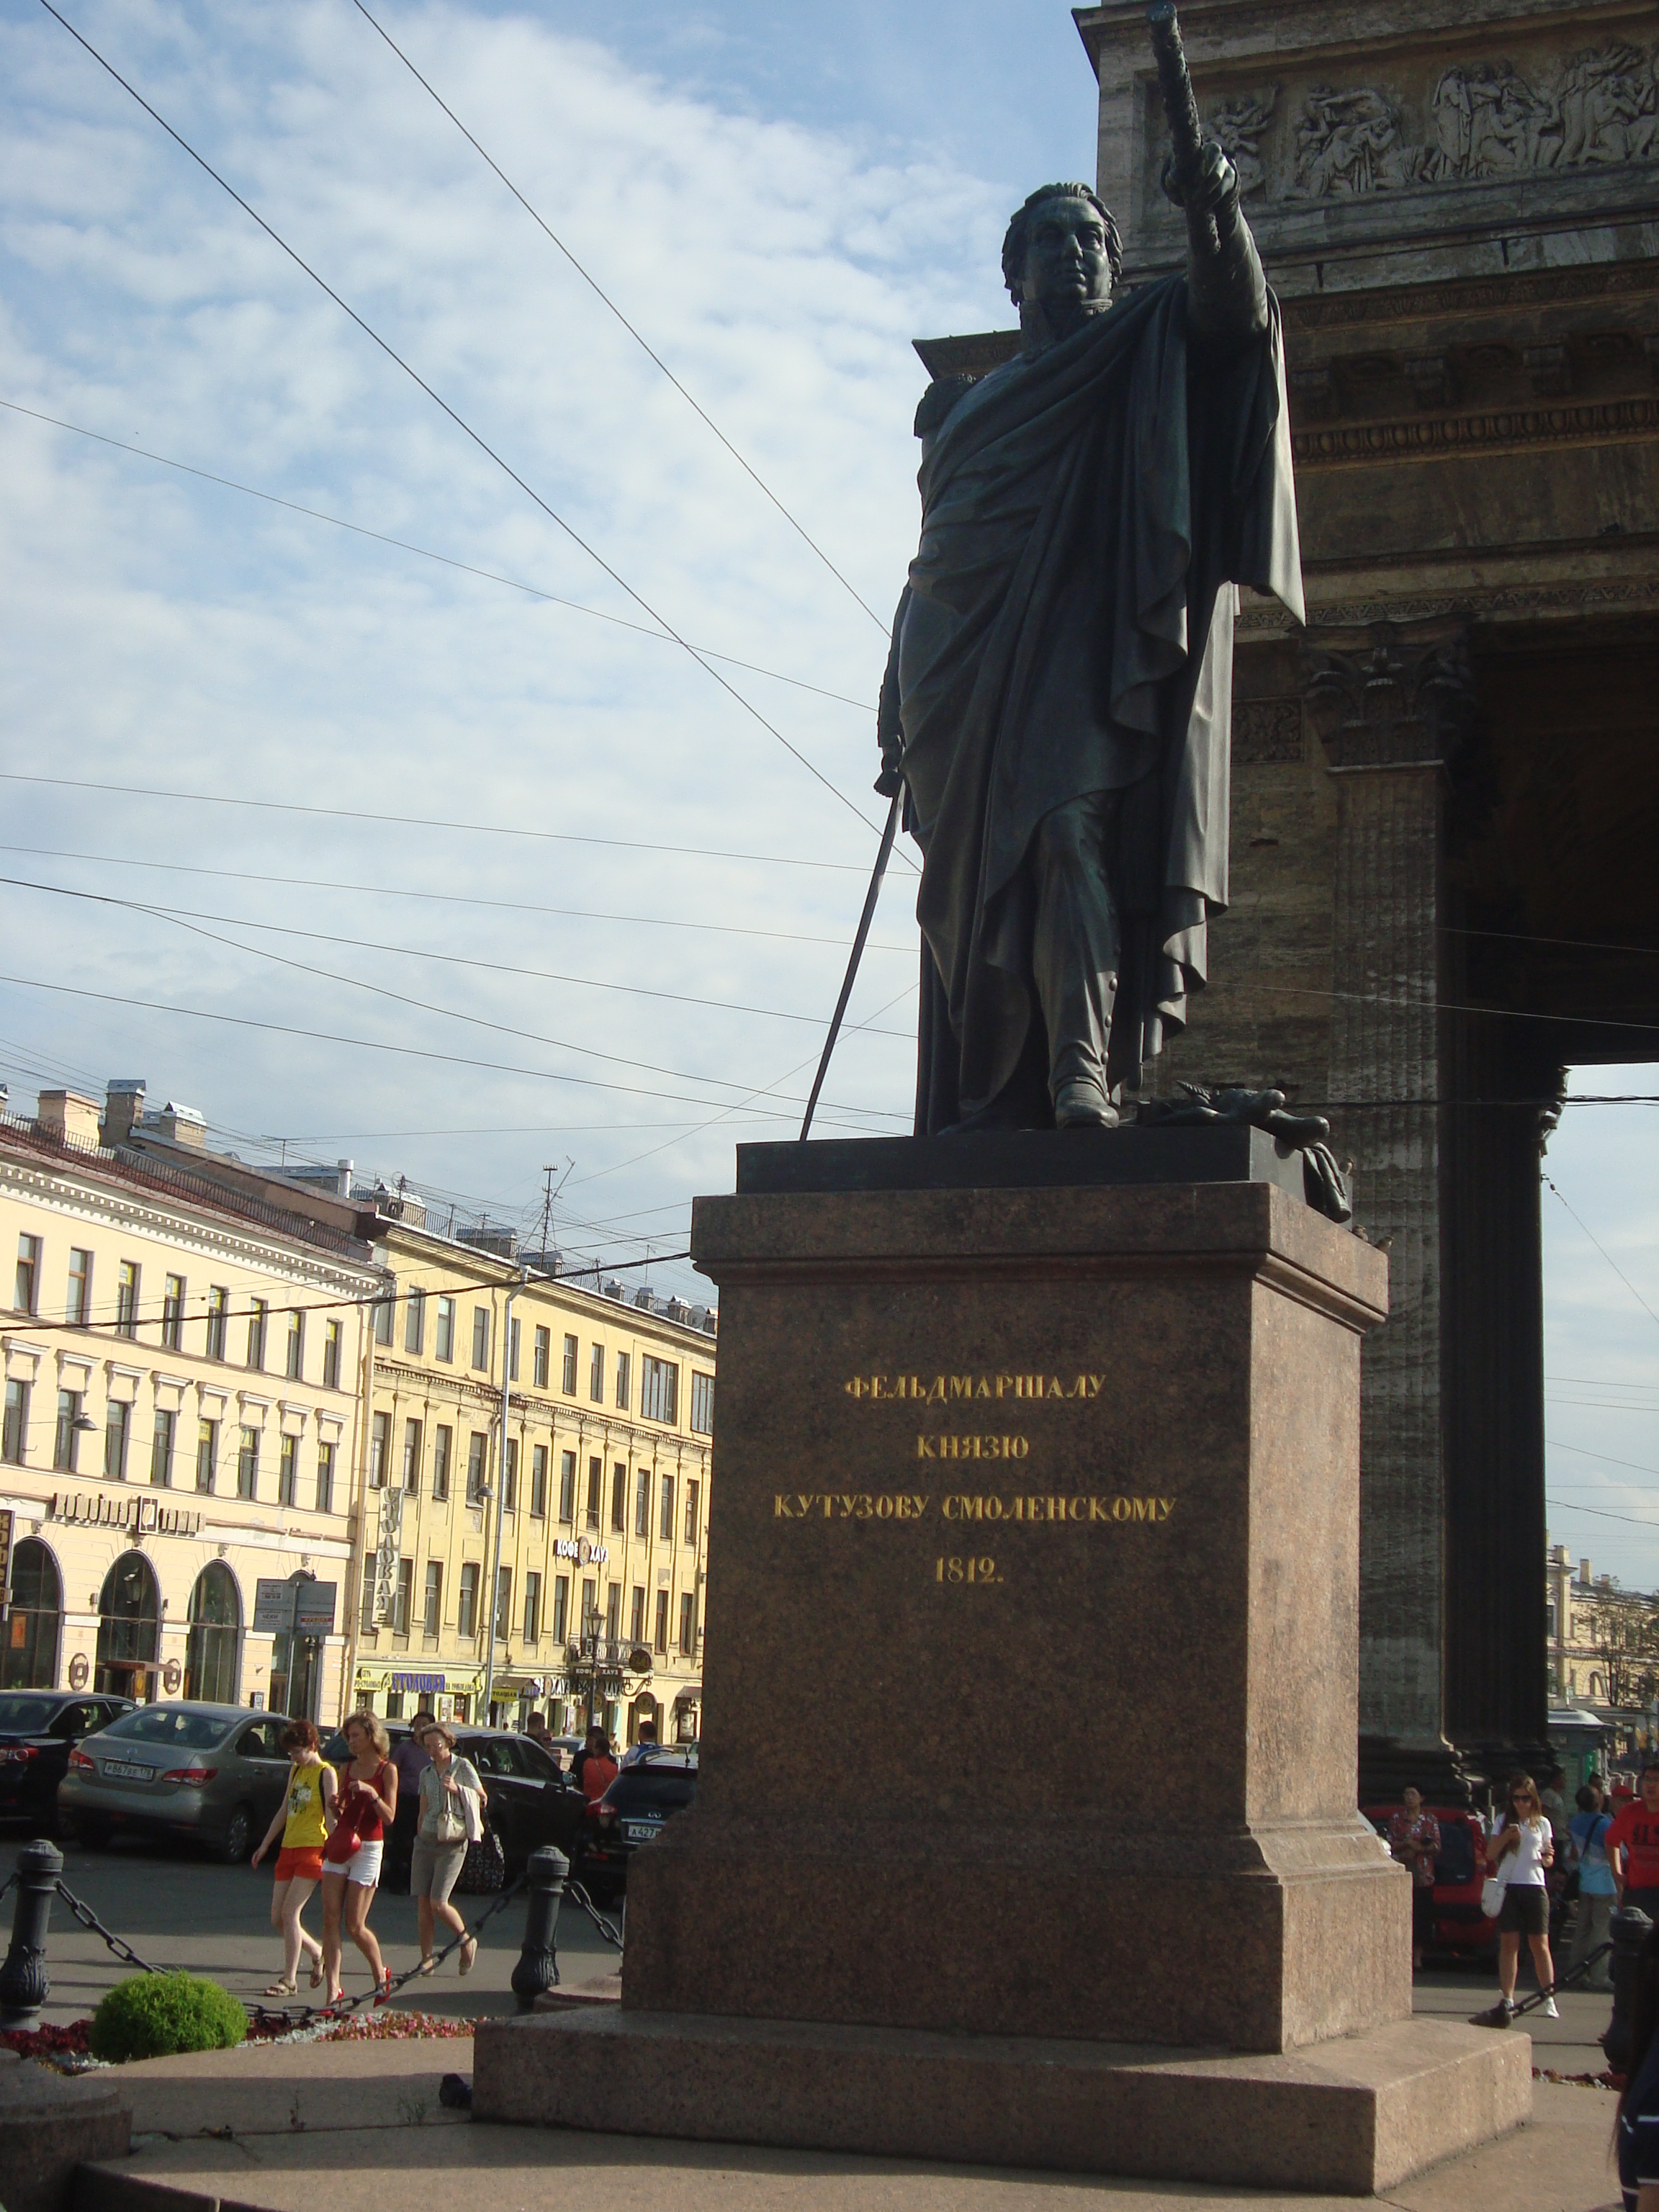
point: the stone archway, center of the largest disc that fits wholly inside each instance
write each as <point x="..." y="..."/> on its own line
<point x="129" y="1629"/>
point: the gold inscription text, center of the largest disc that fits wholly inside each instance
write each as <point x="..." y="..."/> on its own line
<point x="955" y="1447"/>
<point x="943" y="1389"/>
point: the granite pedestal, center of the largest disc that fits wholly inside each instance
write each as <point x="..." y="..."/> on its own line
<point x="1030" y="1689"/>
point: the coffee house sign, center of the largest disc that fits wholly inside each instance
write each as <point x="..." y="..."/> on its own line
<point x="137" y="1516"/>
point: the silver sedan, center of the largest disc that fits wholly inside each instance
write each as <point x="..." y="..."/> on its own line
<point x="214" y="1774"/>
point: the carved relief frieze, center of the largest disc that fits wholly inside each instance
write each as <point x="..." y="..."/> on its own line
<point x="1475" y="120"/>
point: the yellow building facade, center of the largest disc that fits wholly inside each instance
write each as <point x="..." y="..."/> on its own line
<point x="600" y="1562"/>
<point x="183" y="1367"/>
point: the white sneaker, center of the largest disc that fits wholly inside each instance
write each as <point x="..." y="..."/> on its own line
<point x="1549" y="2009"/>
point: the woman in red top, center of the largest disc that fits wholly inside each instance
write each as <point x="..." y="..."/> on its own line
<point x="366" y="1806"/>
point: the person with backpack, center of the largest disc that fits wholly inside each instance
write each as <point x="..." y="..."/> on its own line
<point x="1589" y="1828"/>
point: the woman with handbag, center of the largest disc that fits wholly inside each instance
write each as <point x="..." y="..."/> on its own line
<point x="1522" y="1852"/>
<point x="450" y="1817"/>
<point x="366" y="1805"/>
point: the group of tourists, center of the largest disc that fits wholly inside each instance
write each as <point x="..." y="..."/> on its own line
<point x="333" y="1830"/>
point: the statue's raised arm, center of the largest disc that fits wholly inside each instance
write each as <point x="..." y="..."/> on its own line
<point x="1227" y="293"/>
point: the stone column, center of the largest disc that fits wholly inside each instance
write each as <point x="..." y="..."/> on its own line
<point x="1388" y="707"/>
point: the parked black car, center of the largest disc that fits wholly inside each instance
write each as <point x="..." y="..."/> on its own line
<point x="529" y="1801"/>
<point x="38" y="1730"/>
<point x="632" y="1812"/>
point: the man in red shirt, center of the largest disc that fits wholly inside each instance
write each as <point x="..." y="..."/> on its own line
<point x="1632" y="1847"/>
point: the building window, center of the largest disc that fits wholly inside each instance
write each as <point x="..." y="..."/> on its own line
<point x="660" y="1641"/>
<point x="293" y="1364"/>
<point x="510" y="1476"/>
<point x="378" y="1439"/>
<point x="256" y="1333"/>
<point x="126" y="1298"/>
<point x="466" y="1608"/>
<point x="443" y="1439"/>
<point x="443" y="1344"/>
<point x="481" y="1338"/>
<point x="503" y="1604"/>
<point x="77" y="1308"/>
<point x="596" y="1375"/>
<point x="544" y="1352"/>
<point x="66" y="1443"/>
<point x="29" y="1274"/>
<point x="172" y="1312"/>
<point x="288" y="1472"/>
<point x="642" y="1503"/>
<point x="401" y="1596"/>
<point x="666" y="1520"/>
<point x="688" y="1622"/>
<point x="693" y="1491"/>
<point x="118" y="1423"/>
<point x="325" y="1478"/>
<point x="332" y="1333"/>
<point x="512" y="1349"/>
<point x="34" y="1620"/>
<point x="622" y="1365"/>
<point x="561" y="1606"/>
<point x="247" y="1464"/>
<point x="538" y="1482"/>
<point x="660" y="1390"/>
<point x="366" y="1611"/>
<point x="414" y="1322"/>
<point x="432" y="1618"/>
<point x="411" y="1455"/>
<point x="619" y="1497"/>
<point x="567" y="1486"/>
<point x="477" y="1458"/>
<point x="218" y="1318"/>
<point x="385" y="1307"/>
<point x="569" y="1378"/>
<point x="613" y="1612"/>
<point x="637" y="1619"/>
<point x="590" y="1607"/>
<point x="160" y="1450"/>
<point x="14" y="1434"/>
<point x="533" y="1608"/>
<point x="595" y="1477"/>
<point x="703" y="1403"/>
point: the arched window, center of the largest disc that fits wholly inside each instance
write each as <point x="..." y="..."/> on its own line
<point x="213" y="1651"/>
<point x="28" y="1659"/>
<point x="128" y="1625"/>
<point x="1595" y="1685"/>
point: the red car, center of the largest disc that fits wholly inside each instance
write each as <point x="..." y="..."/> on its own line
<point x="1460" y="1869"/>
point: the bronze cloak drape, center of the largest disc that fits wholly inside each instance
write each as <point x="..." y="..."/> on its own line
<point x="1068" y="626"/>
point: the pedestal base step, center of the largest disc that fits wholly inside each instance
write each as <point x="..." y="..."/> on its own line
<point x="1353" y="2117"/>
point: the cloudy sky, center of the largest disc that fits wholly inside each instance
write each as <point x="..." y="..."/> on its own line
<point x="431" y="870"/>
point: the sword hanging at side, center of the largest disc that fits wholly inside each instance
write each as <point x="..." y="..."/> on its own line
<point x="884" y="853"/>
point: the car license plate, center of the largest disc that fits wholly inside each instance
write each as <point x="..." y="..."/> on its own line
<point x="641" y="1831"/>
<point x="131" y="1773"/>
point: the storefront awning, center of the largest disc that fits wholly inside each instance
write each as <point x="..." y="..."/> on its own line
<point x="690" y="1694"/>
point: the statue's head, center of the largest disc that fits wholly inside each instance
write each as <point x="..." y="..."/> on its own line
<point x="1062" y="251"/>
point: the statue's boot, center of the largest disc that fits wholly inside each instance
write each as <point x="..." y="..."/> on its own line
<point x="1075" y="956"/>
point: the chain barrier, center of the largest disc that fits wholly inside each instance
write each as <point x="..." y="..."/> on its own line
<point x="89" y="1920"/>
<point x="606" y="1928"/>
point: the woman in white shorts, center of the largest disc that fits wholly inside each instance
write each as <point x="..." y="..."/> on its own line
<point x="441" y="1842"/>
<point x="366" y="1805"/>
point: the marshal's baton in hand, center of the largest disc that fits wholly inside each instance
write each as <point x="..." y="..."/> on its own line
<point x="884" y="853"/>
<point x="1179" y="105"/>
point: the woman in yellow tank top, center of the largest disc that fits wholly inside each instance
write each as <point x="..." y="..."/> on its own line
<point x="304" y="1818"/>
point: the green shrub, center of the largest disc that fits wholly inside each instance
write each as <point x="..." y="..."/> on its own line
<point x="152" y="2016"/>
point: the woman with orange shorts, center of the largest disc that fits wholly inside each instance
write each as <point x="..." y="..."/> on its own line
<point x="304" y="1817"/>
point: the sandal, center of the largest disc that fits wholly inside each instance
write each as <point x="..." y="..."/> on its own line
<point x="469" y="1952"/>
<point x="383" y="1987"/>
<point x="317" y="1973"/>
<point x="280" y="1989"/>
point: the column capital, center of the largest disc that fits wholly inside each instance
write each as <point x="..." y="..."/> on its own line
<point x="1390" y="695"/>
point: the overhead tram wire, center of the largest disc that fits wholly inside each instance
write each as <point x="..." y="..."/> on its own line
<point x="1603" y="1250"/>
<point x="460" y="422"/>
<point x="598" y="290"/>
<point x="425" y="822"/>
<point x="445" y="898"/>
<point x="183" y="915"/>
<point x="444" y="560"/>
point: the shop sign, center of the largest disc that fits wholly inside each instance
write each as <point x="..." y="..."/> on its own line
<point x="273" y="1606"/>
<point x="78" y="1671"/>
<point x="290" y="1607"/>
<point x="579" y="1548"/>
<point x="422" y="1686"/>
<point x="145" y="1516"/>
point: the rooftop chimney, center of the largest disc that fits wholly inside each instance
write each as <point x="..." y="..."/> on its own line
<point x="124" y="1101"/>
<point x="69" y="1115"/>
<point x="1584" y="1573"/>
<point x="183" y="1124"/>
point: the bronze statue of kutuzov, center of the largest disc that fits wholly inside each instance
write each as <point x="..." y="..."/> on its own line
<point x="1057" y="699"/>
